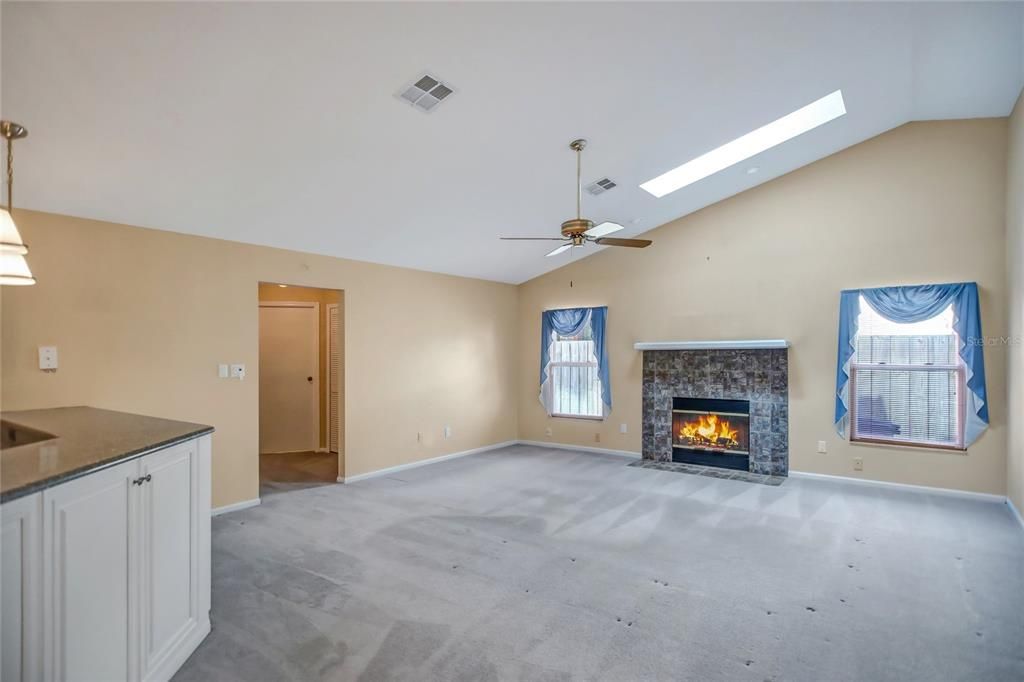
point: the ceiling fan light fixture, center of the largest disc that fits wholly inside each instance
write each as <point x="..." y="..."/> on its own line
<point x="817" y="113"/>
<point x="601" y="229"/>
<point x="576" y="232"/>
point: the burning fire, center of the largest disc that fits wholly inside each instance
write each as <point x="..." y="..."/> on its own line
<point x="707" y="430"/>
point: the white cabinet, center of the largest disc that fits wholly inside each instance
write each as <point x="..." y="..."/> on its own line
<point x="87" y="612"/>
<point x="21" y="560"/>
<point x="174" y="611"/>
<point x="123" y="577"/>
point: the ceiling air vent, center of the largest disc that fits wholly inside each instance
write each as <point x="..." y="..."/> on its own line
<point x="600" y="187"/>
<point x="426" y="93"/>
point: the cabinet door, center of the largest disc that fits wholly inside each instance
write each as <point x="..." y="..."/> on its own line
<point x="169" y="542"/>
<point x="89" y="623"/>
<point x="21" y="601"/>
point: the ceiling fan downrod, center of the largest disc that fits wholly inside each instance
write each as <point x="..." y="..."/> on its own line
<point x="574" y="229"/>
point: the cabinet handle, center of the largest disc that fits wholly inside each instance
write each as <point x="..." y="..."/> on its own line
<point x="142" y="479"/>
<point x="149" y="477"/>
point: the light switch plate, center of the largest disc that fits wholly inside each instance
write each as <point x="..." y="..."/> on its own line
<point x="622" y="428"/>
<point x="223" y="371"/>
<point x="47" y="357"/>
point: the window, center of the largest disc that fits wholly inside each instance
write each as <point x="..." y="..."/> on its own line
<point x="575" y="382"/>
<point x="907" y="381"/>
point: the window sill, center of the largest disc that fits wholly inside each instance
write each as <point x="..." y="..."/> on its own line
<point x="577" y="416"/>
<point x="917" y="447"/>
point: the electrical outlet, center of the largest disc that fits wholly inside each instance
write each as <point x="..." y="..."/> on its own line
<point x="419" y="436"/>
<point x="858" y="464"/>
<point x="547" y="432"/>
<point x="597" y="437"/>
<point x="238" y="372"/>
<point x="822" y="447"/>
<point x="622" y="428"/>
<point x="48" y="358"/>
<point x="447" y="432"/>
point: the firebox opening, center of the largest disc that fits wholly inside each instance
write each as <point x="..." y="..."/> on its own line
<point x="711" y="432"/>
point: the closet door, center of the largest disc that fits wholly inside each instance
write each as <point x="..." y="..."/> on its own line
<point x="88" y="600"/>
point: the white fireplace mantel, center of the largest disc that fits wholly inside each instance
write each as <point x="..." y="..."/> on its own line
<point x="735" y="344"/>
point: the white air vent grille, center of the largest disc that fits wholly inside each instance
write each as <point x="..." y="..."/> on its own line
<point x="425" y="93"/>
<point x="600" y="187"/>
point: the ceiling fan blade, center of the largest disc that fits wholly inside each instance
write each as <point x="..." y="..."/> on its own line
<point x="560" y="249"/>
<point x="633" y="243"/>
<point x="604" y="228"/>
<point x="533" y="239"/>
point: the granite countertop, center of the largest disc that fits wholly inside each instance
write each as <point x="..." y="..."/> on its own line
<point x="86" y="439"/>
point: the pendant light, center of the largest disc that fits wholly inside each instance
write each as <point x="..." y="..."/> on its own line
<point x="14" y="268"/>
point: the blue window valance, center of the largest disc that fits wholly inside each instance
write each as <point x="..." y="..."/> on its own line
<point x="908" y="304"/>
<point x="570" y="322"/>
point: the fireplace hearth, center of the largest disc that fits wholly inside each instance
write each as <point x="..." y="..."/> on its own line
<point x="711" y="432"/>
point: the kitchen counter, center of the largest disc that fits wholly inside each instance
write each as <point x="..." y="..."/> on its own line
<point x="85" y="439"/>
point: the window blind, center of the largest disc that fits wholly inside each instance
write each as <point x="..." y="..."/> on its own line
<point x="907" y="383"/>
<point x="575" y="382"/>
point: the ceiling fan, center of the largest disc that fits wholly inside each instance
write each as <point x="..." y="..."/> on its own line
<point x="578" y="231"/>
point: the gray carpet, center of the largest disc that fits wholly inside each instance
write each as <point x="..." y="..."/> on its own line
<point x="536" y="564"/>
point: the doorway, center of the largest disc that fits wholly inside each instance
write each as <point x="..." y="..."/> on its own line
<point x="301" y="386"/>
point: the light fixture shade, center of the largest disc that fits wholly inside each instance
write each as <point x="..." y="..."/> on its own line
<point x="10" y="238"/>
<point x="14" y="268"/>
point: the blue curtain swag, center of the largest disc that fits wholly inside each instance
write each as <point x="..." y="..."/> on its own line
<point x="569" y="322"/>
<point x="914" y="304"/>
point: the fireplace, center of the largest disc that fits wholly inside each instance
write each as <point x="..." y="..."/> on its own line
<point x="746" y="387"/>
<point x="711" y="432"/>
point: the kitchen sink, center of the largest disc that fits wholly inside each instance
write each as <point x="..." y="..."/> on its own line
<point x="13" y="435"/>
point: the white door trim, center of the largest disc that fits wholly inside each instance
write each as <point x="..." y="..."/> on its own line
<point x="316" y="374"/>
<point x="329" y="384"/>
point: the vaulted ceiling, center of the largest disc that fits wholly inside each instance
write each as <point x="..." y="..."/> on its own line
<point x="278" y="124"/>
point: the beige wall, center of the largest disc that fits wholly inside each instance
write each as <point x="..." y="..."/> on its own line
<point x="325" y="297"/>
<point x="1015" y="262"/>
<point x="142" y="318"/>
<point x="922" y="203"/>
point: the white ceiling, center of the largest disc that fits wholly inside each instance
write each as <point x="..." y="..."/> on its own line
<point x="277" y="124"/>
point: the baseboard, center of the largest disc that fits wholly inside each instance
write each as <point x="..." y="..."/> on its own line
<point x="1015" y="512"/>
<point x="423" y="462"/>
<point x="237" y="506"/>
<point x="949" y="492"/>
<point x="582" y="448"/>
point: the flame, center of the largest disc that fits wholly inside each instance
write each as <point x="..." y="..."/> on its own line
<point x="708" y="428"/>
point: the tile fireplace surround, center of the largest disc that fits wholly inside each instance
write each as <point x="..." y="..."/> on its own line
<point x="759" y="375"/>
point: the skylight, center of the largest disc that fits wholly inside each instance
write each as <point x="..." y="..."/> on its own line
<point x="817" y="113"/>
